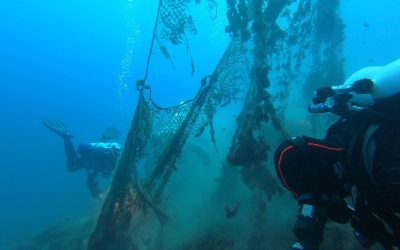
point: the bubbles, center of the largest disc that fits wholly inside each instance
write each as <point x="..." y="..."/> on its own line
<point x="131" y="4"/>
<point x="126" y="72"/>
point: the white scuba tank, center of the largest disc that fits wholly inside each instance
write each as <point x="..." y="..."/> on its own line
<point x="386" y="81"/>
<point x="106" y="145"/>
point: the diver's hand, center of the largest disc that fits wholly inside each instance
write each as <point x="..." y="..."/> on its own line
<point x="321" y="94"/>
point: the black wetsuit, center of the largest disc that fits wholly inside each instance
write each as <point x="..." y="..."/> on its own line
<point x="97" y="161"/>
<point x="320" y="174"/>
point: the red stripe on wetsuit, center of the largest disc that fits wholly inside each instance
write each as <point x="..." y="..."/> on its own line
<point x="311" y="144"/>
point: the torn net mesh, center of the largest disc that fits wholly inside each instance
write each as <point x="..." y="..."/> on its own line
<point x="175" y="22"/>
<point x="171" y="127"/>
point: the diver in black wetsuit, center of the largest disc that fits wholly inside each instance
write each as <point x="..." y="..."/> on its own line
<point x="359" y="157"/>
<point x="99" y="159"/>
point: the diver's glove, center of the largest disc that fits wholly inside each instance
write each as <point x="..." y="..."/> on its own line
<point x="309" y="226"/>
<point x="321" y="94"/>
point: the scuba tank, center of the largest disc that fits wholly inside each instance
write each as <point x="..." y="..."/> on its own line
<point x="361" y="90"/>
<point x="385" y="82"/>
<point x="106" y="145"/>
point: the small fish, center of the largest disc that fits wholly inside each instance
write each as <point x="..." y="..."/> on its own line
<point x="366" y="25"/>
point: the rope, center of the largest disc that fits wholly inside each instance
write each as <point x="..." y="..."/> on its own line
<point x="152" y="45"/>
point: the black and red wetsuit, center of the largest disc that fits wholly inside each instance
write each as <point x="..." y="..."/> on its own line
<point x="315" y="171"/>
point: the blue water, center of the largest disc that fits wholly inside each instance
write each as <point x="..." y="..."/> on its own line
<point x="57" y="61"/>
<point x="71" y="60"/>
<point x="65" y="60"/>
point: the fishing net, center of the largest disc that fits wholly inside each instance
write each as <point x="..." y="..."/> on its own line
<point x="175" y="22"/>
<point x="278" y="49"/>
<point x="155" y="142"/>
<point x="270" y="42"/>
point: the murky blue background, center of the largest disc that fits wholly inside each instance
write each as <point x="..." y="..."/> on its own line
<point x="77" y="61"/>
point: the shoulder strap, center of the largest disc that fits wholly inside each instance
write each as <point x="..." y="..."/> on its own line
<point x="369" y="148"/>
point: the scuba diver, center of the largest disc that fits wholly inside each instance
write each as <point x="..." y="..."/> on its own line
<point x="359" y="158"/>
<point x="99" y="158"/>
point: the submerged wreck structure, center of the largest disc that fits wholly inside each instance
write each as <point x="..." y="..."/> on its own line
<point x="277" y="49"/>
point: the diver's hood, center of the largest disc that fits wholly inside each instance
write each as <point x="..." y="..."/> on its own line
<point x="106" y="145"/>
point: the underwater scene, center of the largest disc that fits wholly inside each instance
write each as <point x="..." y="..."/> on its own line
<point x="151" y="125"/>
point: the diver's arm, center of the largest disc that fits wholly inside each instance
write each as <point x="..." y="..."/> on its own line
<point x="309" y="227"/>
<point x="92" y="183"/>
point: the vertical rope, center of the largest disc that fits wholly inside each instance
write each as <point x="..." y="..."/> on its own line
<point x="152" y="43"/>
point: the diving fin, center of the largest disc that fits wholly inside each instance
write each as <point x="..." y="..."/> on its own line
<point x="57" y="127"/>
<point x="109" y="134"/>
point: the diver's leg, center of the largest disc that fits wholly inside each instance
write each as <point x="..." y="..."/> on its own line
<point x="92" y="184"/>
<point x="72" y="156"/>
